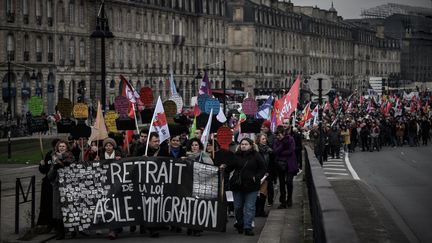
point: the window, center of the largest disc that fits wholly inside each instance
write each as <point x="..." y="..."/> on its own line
<point x="130" y="50"/>
<point x="82" y="52"/>
<point x="129" y="21"/>
<point x="10" y="47"/>
<point x="138" y="22"/>
<point x="49" y="12"/>
<point x="38" y="49"/>
<point x="25" y="10"/>
<point x="72" y="51"/>
<point x="61" y="51"/>
<point x="60" y="12"/>
<point x="10" y="10"/>
<point x="38" y="9"/>
<point x="120" y="54"/>
<point x="111" y="54"/>
<point x="71" y="12"/>
<point x="81" y="13"/>
<point x="50" y="49"/>
<point x="26" y="48"/>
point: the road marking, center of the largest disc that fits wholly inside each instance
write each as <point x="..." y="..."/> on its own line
<point x="334" y="173"/>
<point x="335" y="169"/>
<point x="334" y="163"/>
<point x="350" y="168"/>
<point x="325" y="165"/>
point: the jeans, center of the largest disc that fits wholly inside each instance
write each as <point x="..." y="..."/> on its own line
<point x="244" y="207"/>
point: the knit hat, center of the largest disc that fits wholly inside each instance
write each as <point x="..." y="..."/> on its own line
<point x="267" y="123"/>
<point x="109" y="140"/>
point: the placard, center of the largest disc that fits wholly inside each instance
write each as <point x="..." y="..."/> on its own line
<point x="121" y="105"/>
<point x="64" y="106"/>
<point x="146" y="116"/>
<point x="146" y="96"/>
<point x="250" y="106"/>
<point x="202" y="99"/>
<point x="65" y="125"/>
<point x="35" y="105"/>
<point x="170" y="109"/>
<point x="125" y="123"/>
<point x="81" y="130"/>
<point x="251" y="126"/>
<point x="202" y="120"/>
<point x="80" y="111"/>
<point x="224" y="137"/>
<point x="141" y="191"/>
<point x="38" y="124"/>
<point x="212" y="104"/>
<point x="110" y="121"/>
<point x="178" y="100"/>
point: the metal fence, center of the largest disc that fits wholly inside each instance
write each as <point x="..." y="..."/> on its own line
<point x="329" y="219"/>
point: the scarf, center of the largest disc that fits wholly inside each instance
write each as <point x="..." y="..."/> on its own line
<point x="175" y="151"/>
<point x="112" y="156"/>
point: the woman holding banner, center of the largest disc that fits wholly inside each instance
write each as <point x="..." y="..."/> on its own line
<point x="194" y="152"/>
<point x="61" y="157"/>
<point x="245" y="183"/>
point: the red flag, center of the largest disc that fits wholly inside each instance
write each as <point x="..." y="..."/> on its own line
<point x="326" y="106"/>
<point x="307" y="115"/>
<point x="336" y="103"/>
<point x="288" y="103"/>
<point x="388" y="108"/>
<point x="361" y="100"/>
<point x="196" y="111"/>
<point x="128" y="91"/>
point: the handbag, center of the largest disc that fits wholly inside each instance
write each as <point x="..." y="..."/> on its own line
<point x="236" y="179"/>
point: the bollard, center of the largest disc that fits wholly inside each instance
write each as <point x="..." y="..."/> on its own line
<point x="18" y="189"/>
<point x="33" y="179"/>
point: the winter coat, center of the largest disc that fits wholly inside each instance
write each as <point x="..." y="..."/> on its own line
<point x="46" y="201"/>
<point x="67" y="158"/>
<point x="252" y="169"/>
<point x="200" y="156"/>
<point x="346" y="136"/>
<point x="284" y="150"/>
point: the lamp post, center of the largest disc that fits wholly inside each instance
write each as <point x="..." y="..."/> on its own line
<point x="9" y="109"/>
<point x="102" y="31"/>
<point x="320" y="125"/>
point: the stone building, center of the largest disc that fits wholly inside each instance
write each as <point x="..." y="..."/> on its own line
<point x="265" y="44"/>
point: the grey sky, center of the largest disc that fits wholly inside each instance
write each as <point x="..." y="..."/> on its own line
<point x="350" y="9"/>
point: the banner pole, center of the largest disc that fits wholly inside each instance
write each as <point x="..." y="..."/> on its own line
<point x="127" y="142"/>
<point x="136" y="122"/>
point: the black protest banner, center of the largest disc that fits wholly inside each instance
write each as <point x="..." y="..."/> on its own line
<point x="151" y="191"/>
<point x="38" y="124"/>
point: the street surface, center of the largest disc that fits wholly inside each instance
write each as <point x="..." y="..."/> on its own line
<point x="401" y="178"/>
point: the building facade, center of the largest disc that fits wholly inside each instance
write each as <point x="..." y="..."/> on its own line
<point x="265" y="44"/>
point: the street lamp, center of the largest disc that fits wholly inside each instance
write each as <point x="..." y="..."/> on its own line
<point x="102" y="31"/>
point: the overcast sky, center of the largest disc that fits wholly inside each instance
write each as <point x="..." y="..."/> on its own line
<point x="350" y="9"/>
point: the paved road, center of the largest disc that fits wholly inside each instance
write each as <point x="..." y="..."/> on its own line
<point x="401" y="178"/>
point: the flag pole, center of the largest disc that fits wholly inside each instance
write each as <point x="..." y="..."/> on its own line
<point x="150" y="128"/>
<point x="136" y="121"/>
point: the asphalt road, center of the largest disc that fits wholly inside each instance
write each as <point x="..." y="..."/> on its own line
<point x="402" y="179"/>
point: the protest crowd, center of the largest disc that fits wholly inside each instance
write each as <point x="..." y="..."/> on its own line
<point x="255" y="152"/>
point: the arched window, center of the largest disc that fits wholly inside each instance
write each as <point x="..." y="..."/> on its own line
<point x="39" y="79"/>
<point x="60" y="89"/>
<point x="10" y="47"/>
<point x="72" y="91"/>
<point x="138" y="86"/>
<point x="50" y="93"/>
<point x="25" y="11"/>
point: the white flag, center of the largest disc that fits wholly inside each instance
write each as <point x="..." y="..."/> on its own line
<point x="159" y="122"/>
<point x="206" y="133"/>
<point x="221" y="116"/>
